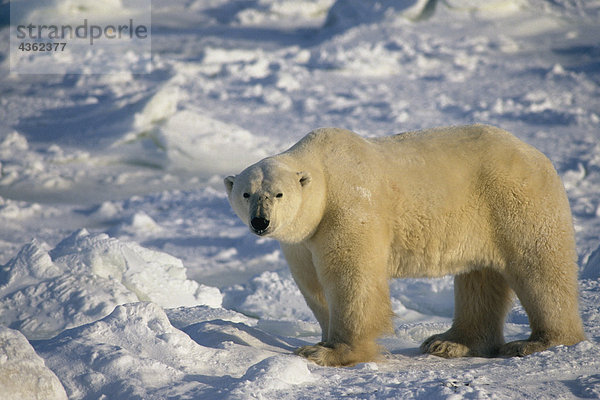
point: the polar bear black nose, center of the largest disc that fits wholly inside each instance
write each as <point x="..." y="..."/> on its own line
<point x="259" y="223"/>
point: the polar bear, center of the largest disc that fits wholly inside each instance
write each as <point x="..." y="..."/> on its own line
<point x="473" y="201"/>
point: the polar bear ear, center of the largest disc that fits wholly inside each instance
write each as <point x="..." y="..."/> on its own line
<point x="304" y="178"/>
<point x="229" y="184"/>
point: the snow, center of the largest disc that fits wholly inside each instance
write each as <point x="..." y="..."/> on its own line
<point x="84" y="277"/>
<point x="23" y="373"/>
<point x="124" y="273"/>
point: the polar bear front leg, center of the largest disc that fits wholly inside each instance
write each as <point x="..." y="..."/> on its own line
<point x="357" y="292"/>
<point x="299" y="259"/>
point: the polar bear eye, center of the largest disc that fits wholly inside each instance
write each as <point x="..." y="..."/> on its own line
<point x="246" y="195"/>
<point x="279" y="195"/>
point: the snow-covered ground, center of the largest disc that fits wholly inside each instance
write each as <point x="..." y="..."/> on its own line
<point x="126" y="275"/>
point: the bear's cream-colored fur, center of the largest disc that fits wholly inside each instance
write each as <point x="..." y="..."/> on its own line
<point x="473" y="201"/>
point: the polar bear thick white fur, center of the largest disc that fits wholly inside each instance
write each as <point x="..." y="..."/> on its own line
<point x="473" y="201"/>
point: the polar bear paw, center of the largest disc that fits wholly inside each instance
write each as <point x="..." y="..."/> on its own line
<point x="337" y="354"/>
<point x="326" y="355"/>
<point x="520" y="348"/>
<point x="440" y="345"/>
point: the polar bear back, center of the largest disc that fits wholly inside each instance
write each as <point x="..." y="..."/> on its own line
<point x="431" y="162"/>
<point x="434" y="151"/>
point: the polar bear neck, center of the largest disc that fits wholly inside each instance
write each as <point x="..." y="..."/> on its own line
<point x="314" y="195"/>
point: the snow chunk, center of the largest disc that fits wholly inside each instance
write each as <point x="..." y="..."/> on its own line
<point x="18" y="210"/>
<point x="50" y="169"/>
<point x="140" y="224"/>
<point x="135" y="352"/>
<point x="160" y="107"/>
<point x="592" y="267"/>
<point x="198" y="142"/>
<point x="31" y="263"/>
<point x="152" y="275"/>
<point x="188" y="139"/>
<point x="106" y="210"/>
<point x="23" y="374"/>
<point x="14" y="141"/>
<point x="182" y="317"/>
<point x="288" y="14"/>
<point x="132" y="353"/>
<point x="84" y="277"/>
<point x="287" y="370"/>
<point x="274" y="373"/>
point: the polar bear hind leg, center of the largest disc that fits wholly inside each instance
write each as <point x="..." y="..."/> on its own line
<point x="538" y="243"/>
<point x="550" y="301"/>
<point x="482" y="300"/>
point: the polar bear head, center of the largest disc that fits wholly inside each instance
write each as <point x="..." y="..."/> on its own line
<point x="275" y="200"/>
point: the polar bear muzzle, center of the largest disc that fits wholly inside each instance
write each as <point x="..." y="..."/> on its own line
<point x="260" y="212"/>
<point x="259" y="225"/>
